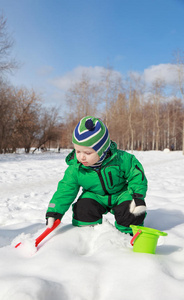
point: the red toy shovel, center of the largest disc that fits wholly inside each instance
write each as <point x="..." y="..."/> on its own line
<point x="44" y="234"/>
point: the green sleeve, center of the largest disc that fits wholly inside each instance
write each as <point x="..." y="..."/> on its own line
<point x="66" y="193"/>
<point x="136" y="179"/>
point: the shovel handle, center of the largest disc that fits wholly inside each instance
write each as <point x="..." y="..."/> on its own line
<point x="44" y="234"/>
<point x="135" y="236"/>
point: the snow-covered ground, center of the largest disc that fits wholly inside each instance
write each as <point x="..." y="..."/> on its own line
<point x="89" y="263"/>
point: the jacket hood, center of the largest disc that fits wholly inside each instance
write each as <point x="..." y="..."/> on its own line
<point x="71" y="158"/>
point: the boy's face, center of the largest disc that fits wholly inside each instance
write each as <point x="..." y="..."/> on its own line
<point x="85" y="155"/>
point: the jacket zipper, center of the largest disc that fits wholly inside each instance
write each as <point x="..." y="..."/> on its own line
<point x="109" y="200"/>
<point x="102" y="181"/>
<point x="103" y="186"/>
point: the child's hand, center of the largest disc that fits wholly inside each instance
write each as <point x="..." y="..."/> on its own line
<point x="50" y="222"/>
<point x="137" y="207"/>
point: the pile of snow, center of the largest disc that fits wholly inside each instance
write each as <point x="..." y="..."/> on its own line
<point x="166" y="150"/>
<point x="88" y="263"/>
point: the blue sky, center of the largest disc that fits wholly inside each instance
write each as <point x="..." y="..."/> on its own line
<point x="56" y="40"/>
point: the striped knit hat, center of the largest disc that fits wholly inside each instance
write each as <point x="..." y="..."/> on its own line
<point x="92" y="132"/>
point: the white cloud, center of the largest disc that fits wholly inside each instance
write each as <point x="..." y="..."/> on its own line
<point x="74" y="76"/>
<point x="45" y="70"/>
<point x="166" y="72"/>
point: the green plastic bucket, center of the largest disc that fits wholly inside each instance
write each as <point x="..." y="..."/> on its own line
<point x="145" y="239"/>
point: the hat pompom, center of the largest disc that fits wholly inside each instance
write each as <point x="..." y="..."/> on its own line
<point x="89" y="124"/>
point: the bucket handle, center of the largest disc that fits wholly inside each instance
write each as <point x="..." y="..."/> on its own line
<point x="135" y="236"/>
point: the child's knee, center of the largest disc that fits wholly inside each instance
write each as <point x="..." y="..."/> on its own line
<point x="88" y="210"/>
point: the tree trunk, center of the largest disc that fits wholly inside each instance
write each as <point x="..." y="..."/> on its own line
<point x="183" y="137"/>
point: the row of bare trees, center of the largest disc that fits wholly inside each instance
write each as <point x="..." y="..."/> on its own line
<point x="137" y="116"/>
<point x="152" y="126"/>
<point x="135" y="121"/>
<point x="24" y="121"/>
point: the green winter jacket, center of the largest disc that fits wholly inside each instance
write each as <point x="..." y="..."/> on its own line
<point x="120" y="178"/>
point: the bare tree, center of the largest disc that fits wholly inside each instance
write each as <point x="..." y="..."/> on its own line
<point x="48" y="127"/>
<point x="173" y="124"/>
<point x="133" y="110"/>
<point x="110" y="88"/>
<point x="6" y="43"/>
<point x="156" y="98"/>
<point x="117" y="118"/>
<point x="26" y="118"/>
<point x="82" y="98"/>
<point x="7" y="109"/>
<point x="24" y="122"/>
<point x="179" y="60"/>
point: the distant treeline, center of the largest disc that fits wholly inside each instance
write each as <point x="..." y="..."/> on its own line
<point x="134" y="121"/>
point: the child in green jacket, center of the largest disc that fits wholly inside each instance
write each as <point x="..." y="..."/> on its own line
<point x="112" y="180"/>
